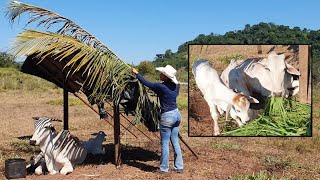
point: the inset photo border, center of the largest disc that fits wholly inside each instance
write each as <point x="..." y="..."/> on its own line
<point x="250" y="90"/>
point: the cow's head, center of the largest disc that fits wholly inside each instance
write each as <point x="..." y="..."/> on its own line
<point x="276" y="68"/>
<point x="241" y="105"/>
<point x="101" y="136"/>
<point x="43" y="128"/>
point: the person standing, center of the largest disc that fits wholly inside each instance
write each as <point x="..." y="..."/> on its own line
<point x="170" y="120"/>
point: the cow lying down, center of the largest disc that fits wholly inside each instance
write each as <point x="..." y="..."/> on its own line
<point x="60" y="152"/>
<point x="94" y="145"/>
<point x="219" y="97"/>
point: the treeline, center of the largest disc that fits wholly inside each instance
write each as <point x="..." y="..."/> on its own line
<point x="262" y="33"/>
<point x="7" y="60"/>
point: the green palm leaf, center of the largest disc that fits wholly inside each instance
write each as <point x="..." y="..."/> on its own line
<point x="106" y="73"/>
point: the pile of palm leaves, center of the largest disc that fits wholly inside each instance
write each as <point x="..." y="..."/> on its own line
<point x="281" y="117"/>
<point x="106" y="74"/>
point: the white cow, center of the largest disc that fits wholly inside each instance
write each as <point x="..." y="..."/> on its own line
<point x="94" y="145"/>
<point x="218" y="96"/>
<point x="61" y="150"/>
<point x="270" y="76"/>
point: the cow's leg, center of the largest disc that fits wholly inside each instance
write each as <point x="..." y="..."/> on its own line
<point x="49" y="160"/>
<point x="215" y="117"/>
<point x="221" y="111"/>
<point x="67" y="165"/>
<point x="235" y="117"/>
<point x="40" y="168"/>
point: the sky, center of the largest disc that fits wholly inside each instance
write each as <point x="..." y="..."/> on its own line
<point x="137" y="30"/>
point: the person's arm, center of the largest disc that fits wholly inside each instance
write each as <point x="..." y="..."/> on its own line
<point x="145" y="82"/>
<point x="151" y="85"/>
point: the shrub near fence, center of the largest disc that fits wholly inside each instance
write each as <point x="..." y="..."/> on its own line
<point x="13" y="79"/>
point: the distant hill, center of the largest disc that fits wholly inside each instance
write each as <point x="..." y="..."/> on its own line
<point x="262" y="33"/>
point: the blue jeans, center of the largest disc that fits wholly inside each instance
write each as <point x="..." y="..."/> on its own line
<point x="169" y="130"/>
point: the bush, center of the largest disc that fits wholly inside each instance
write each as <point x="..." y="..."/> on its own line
<point x="226" y="59"/>
<point x="7" y="60"/>
<point x="13" y="79"/>
<point x="182" y="102"/>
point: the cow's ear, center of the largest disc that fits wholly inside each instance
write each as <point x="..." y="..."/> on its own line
<point x="292" y="70"/>
<point x="253" y="100"/>
<point x="50" y="127"/>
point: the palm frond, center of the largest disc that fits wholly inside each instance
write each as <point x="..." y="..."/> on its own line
<point x="48" y="18"/>
<point x="106" y="73"/>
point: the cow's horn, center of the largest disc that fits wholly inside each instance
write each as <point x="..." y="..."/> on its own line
<point x="59" y="120"/>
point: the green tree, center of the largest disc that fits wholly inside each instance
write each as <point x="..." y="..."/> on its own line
<point x="146" y="67"/>
<point x="6" y="60"/>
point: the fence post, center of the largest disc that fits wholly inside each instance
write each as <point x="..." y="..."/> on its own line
<point x="259" y="49"/>
<point x="117" y="150"/>
<point x="304" y="71"/>
<point x="65" y="105"/>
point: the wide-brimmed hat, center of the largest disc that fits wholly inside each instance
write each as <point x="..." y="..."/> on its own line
<point x="169" y="71"/>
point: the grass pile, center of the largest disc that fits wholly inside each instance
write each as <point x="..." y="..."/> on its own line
<point x="281" y="117"/>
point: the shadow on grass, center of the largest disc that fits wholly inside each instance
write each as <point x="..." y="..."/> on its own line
<point x="130" y="155"/>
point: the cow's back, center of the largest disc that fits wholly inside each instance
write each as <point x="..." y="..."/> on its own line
<point x="204" y="73"/>
<point x="67" y="146"/>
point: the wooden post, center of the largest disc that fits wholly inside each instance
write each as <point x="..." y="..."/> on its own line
<point x="303" y="68"/>
<point x="309" y="82"/>
<point x="259" y="49"/>
<point x="65" y="106"/>
<point x="117" y="150"/>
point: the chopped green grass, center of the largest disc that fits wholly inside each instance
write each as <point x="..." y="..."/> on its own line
<point x="282" y="117"/>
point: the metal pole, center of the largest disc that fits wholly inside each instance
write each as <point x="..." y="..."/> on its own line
<point x="98" y="114"/>
<point x="132" y="124"/>
<point x="180" y="137"/>
<point x="65" y="105"/>
<point x="117" y="150"/>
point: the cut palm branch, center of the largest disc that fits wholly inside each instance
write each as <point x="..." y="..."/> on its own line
<point x="282" y="117"/>
<point x="104" y="72"/>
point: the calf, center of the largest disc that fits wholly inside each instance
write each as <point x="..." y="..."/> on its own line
<point x="94" y="145"/>
<point x="218" y="96"/>
<point x="61" y="150"/>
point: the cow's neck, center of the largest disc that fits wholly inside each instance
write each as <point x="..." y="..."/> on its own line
<point x="225" y="94"/>
<point x="47" y="142"/>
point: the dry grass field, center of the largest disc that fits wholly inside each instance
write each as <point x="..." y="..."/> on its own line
<point x="219" y="158"/>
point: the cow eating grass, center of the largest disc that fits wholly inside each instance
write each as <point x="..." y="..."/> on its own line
<point x="270" y="76"/>
<point x="219" y="97"/>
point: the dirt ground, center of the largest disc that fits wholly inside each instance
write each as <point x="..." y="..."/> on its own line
<point x="219" y="158"/>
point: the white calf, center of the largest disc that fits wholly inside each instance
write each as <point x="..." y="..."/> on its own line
<point x="61" y="150"/>
<point x="218" y="96"/>
<point x="94" y="145"/>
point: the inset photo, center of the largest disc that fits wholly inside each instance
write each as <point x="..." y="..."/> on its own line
<point x="250" y="90"/>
